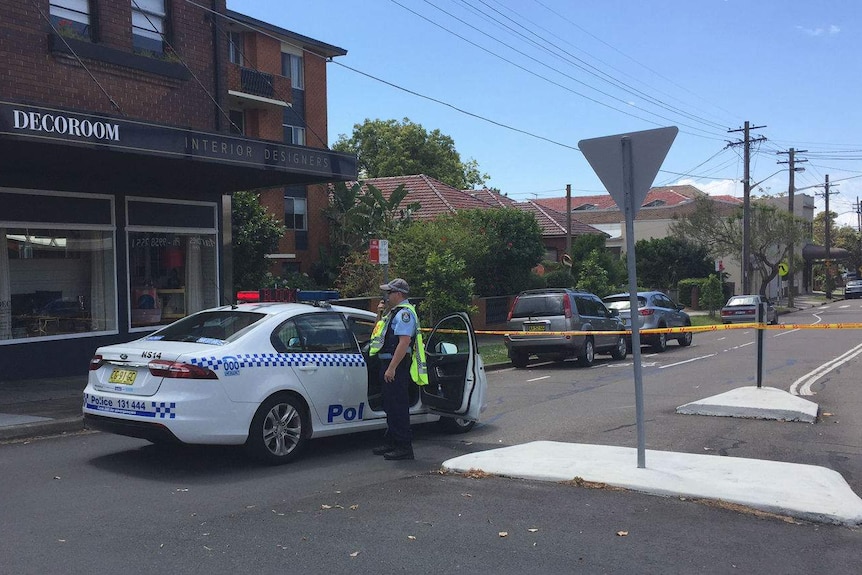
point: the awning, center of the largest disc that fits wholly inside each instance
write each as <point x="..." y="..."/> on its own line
<point x="49" y="148"/>
<point x="813" y="252"/>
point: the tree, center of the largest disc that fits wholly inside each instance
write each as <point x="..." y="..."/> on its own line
<point x="712" y="295"/>
<point x="391" y="148"/>
<point x="256" y="233"/>
<point x="772" y="231"/>
<point x="584" y="247"/>
<point x="662" y="262"/>
<point x="354" y="217"/>
<point x="499" y="247"/>
<point x="594" y="277"/>
<point x="447" y="287"/>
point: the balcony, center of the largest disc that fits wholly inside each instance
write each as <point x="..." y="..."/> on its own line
<point x="254" y="89"/>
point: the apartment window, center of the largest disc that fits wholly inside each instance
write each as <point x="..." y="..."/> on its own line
<point x="71" y="17"/>
<point x="237" y="122"/>
<point x="291" y="67"/>
<point x="295" y="212"/>
<point x="294" y="135"/>
<point x="235" y="48"/>
<point x="148" y="25"/>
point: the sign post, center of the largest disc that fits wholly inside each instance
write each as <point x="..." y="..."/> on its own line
<point x="378" y="253"/>
<point x="627" y="165"/>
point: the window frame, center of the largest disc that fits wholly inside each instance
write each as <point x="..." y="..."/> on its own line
<point x="149" y="15"/>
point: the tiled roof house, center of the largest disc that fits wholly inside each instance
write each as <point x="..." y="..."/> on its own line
<point x="437" y="198"/>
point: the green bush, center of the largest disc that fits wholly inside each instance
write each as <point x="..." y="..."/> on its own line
<point x="559" y="279"/>
<point x="537" y="282"/>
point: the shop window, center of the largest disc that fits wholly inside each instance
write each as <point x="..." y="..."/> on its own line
<point x="71" y="18"/>
<point x="171" y="275"/>
<point x="56" y="282"/>
<point x="148" y="26"/>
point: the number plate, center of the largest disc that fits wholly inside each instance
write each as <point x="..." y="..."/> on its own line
<point x="540" y="327"/>
<point x="123" y="376"/>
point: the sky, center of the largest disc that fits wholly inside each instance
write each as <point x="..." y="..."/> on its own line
<point x="518" y="83"/>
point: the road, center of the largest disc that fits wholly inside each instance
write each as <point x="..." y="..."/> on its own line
<point x="97" y="503"/>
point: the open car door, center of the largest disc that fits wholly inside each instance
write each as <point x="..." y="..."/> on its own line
<point x="456" y="373"/>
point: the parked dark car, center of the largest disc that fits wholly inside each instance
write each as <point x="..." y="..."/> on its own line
<point x="655" y="310"/>
<point x="550" y="311"/>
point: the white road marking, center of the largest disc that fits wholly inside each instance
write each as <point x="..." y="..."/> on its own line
<point x="686" y="361"/>
<point x="721" y="338"/>
<point x="842" y="306"/>
<point x="802" y="386"/>
<point x="538" y="378"/>
<point x="785" y="332"/>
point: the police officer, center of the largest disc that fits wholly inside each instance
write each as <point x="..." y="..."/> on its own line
<point x="397" y="341"/>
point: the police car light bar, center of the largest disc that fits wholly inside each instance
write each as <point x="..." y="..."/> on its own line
<point x="285" y="295"/>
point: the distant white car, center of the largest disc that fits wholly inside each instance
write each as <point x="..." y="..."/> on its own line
<point x="853" y="289"/>
<point x="272" y="376"/>
<point x="743" y="309"/>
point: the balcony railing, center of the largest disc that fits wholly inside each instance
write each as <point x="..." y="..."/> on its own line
<point x="257" y="83"/>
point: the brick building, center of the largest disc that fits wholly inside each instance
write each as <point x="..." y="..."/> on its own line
<point x="124" y="129"/>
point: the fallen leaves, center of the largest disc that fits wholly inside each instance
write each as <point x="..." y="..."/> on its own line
<point x="476" y="474"/>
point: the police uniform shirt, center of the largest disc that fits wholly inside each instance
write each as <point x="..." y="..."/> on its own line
<point x="403" y="323"/>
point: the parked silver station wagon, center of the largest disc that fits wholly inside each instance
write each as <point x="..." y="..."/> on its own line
<point x="537" y="317"/>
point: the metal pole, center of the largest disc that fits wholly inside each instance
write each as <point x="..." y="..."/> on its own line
<point x="628" y="190"/>
<point x="791" y="269"/>
<point x="828" y="238"/>
<point x="746" y="215"/>
<point x="761" y="318"/>
<point x="569" y="219"/>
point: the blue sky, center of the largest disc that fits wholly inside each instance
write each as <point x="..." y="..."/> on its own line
<point x="566" y="70"/>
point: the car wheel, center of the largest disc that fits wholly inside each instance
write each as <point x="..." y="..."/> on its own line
<point x="686" y="338"/>
<point x="621" y="350"/>
<point x="660" y="343"/>
<point x="519" y="359"/>
<point x="588" y="353"/>
<point x="455" y="424"/>
<point x="279" y="430"/>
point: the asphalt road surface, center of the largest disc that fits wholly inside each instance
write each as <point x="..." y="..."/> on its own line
<point x="97" y="503"/>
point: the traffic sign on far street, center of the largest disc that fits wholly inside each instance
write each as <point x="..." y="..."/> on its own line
<point x="783" y="269"/>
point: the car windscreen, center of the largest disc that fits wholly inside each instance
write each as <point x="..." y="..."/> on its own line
<point x="742" y="301"/>
<point x="212" y="327"/>
<point x="543" y="305"/>
<point x="622" y="302"/>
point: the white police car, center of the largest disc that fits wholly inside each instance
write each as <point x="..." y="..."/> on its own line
<point x="272" y="376"/>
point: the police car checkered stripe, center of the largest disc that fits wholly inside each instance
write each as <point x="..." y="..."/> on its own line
<point x="248" y="360"/>
<point x="164" y="410"/>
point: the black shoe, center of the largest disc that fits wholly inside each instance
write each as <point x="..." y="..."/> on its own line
<point x="383" y="449"/>
<point x="399" y="453"/>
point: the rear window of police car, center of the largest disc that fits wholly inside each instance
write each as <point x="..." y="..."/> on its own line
<point x="215" y="327"/>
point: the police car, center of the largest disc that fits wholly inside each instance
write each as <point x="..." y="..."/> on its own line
<point x="272" y="376"/>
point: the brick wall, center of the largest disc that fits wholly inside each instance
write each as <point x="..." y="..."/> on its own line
<point x="30" y="72"/>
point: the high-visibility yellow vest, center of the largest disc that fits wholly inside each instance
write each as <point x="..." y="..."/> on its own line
<point x="418" y="368"/>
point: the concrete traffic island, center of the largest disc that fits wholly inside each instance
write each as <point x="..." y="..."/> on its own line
<point x="806" y="492"/>
<point x="754" y="403"/>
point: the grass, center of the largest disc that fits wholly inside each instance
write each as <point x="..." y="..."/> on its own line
<point x="705" y="320"/>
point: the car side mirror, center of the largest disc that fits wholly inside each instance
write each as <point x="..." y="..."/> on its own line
<point x="446" y="348"/>
<point x="680" y="306"/>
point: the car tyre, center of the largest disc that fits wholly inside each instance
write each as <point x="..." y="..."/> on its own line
<point x="686" y="338"/>
<point x="621" y="350"/>
<point x="519" y="359"/>
<point x="587" y="355"/>
<point x="279" y="430"/>
<point x="455" y="425"/>
<point x="660" y="343"/>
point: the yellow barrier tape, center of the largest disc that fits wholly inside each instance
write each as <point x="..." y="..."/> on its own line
<point x="692" y="329"/>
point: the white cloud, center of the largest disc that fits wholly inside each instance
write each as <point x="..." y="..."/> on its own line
<point x="831" y="30"/>
<point x="714" y="188"/>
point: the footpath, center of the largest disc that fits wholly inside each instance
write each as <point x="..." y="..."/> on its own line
<point x="45" y="407"/>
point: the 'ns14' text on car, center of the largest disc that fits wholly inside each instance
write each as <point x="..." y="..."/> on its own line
<point x="272" y="376"/>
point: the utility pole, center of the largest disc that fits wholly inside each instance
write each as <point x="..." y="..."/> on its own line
<point x="791" y="188"/>
<point x="827" y="232"/>
<point x="569" y="219"/>
<point x="746" y="203"/>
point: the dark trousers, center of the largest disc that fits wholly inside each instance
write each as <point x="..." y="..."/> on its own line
<point x="396" y="403"/>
